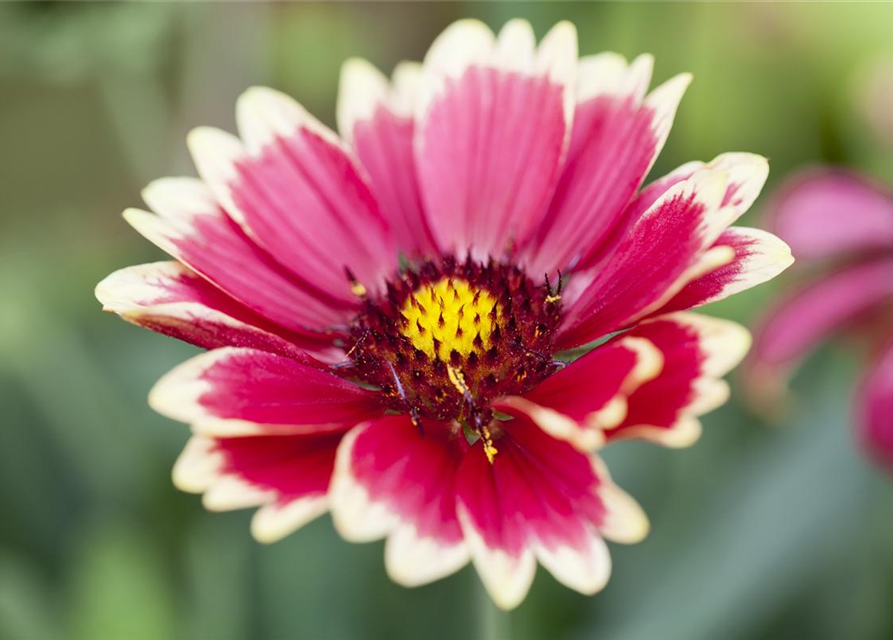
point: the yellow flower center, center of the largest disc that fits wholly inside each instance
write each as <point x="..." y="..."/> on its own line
<point x="450" y="315"/>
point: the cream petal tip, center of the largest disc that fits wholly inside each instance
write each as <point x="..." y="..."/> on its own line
<point x="177" y="393"/>
<point x="197" y="467"/>
<point x="179" y="197"/>
<point x="272" y="522"/>
<point x="356" y="517"/>
<point x="586" y="571"/>
<point x="230" y="493"/>
<point x="412" y="560"/>
<point x="361" y="89"/>
<point x="625" y="521"/>
<point x="211" y="141"/>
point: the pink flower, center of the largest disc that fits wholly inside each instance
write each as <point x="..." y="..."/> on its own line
<point x="844" y="223"/>
<point x="385" y="311"/>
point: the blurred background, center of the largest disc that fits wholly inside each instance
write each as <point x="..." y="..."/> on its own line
<point x="762" y="530"/>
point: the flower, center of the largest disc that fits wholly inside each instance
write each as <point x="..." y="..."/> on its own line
<point x="389" y="314"/>
<point x="840" y="224"/>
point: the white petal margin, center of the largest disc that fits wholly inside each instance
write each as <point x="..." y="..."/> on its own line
<point x="363" y="89"/>
<point x="706" y="187"/>
<point x="664" y="101"/>
<point x="556" y="424"/>
<point x="356" y="517"/>
<point x="609" y="74"/>
<point x="589" y="434"/>
<point x="748" y="172"/>
<point x="179" y="198"/>
<point x="199" y="469"/>
<point x="625" y="521"/>
<point x="585" y="570"/>
<point x="274" y="521"/>
<point x="723" y="344"/>
<point x="507" y="579"/>
<point x="215" y="153"/>
<point x="264" y="114"/>
<point x="410" y="559"/>
<point x="470" y="42"/>
<point x="712" y="259"/>
<point x="767" y="256"/>
<point x="139" y="292"/>
<point x="176" y="394"/>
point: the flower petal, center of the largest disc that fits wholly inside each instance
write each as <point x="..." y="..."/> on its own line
<point x="875" y="407"/>
<point x="539" y="498"/>
<point x="494" y="118"/>
<point x="615" y="140"/>
<point x="376" y="117"/>
<point x="657" y="255"/>
<point x="169" y="298"/>
<point x="393" y="480"/>
<point x="829" y="212"/>
<point x="747" y="174"/>
<point x="294" y="189"/>
<point x="798" y="323"/>
<point x="287" y="476"/>
<point x="697" y="351"/>
<point x="242" y="391"/>
<point x="759" y="257"/>
<point x="589" y="395"/>
<point x="191" y="227"/>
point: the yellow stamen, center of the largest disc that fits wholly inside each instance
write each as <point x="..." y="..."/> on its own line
<point x="458" y="381"/>
<point x="489" y="449"/>
<point x="357" y="289"/>
<point x="447" y="316"/>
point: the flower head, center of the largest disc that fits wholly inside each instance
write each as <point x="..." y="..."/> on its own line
<point x="841" y="225"/>
<point x="392" y="315"/>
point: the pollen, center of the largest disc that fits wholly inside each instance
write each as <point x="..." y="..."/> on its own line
<point x="450" y="315"/>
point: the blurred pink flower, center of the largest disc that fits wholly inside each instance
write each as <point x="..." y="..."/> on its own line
<point x="384" y="309"/>
<point x="842" y="224"/>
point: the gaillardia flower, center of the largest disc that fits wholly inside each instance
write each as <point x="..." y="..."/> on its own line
<point x="841" y="224"/>
<point x="389" y="313"/>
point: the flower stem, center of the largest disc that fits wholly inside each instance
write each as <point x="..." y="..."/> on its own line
<point x="493" y="622"/>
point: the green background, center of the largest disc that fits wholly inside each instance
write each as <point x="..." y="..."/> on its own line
<point x="761" y="530"/>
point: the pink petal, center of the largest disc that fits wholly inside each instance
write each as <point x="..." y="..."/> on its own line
<point x="191" y="227"/>
<point x="616" y="138"/>
<point x="653" y="261"/>
<point x="242" y="391"/>
<point x="540" y="498"/>
<point x="376" y="118"/>
<point x="578" y="402"/>
<point x="747" y="175"/>
<point x="295" y="190"/>
<point x="169" y="298"/>
<point x="875" y="407"/>
<point x="759" y="256"/>
<point x="494" y="121"/>
<point x="812" y="314"/>
<point x="287" y="476"/>
<point x="393" y="480"/>
<point x="697" y="351"/>
<point x="828" y="212"/>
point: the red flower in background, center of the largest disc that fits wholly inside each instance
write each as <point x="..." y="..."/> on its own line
<point x="389" y="314"/>
<point x="841" y="223"/>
